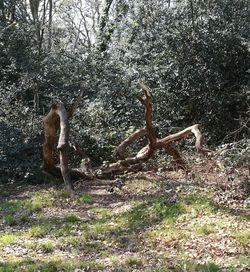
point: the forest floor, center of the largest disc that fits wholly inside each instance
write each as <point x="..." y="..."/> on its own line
<point x="150" y="221"/>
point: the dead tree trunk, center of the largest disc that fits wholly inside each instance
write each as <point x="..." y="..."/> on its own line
<point x="58" y="117"/>
<point x="63" y="146"/>
<point x="133" y="163"/>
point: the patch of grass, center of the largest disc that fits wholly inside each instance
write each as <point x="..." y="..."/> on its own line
<point x="75" y="241"/>
<point x="243" y="237"/>
<point x="143" y="215"/>
<point x="11" y="206"/>
<point x="189" y="266"/>
<point x="165" y="235"/>
<point x="46" y="247"/>
<point x="37" y="202"/>
<point x="115" y="260"/>
<point x="15" y="211"/>
<point x="63" y="230"/>
<point x="30" y="245"/>
<point x="38" y="231"/>
<point x="19" y="210"/>
<point x="85" y="198"/>
<point x="100" y="213"/>
<point x="60" y="194"/>
<point x="49" y="265"/>
<point x="53" y="225"/>
<point x="241" y="261"/>
<point x="96" y="230"/>
<point x="7" y="239"/>
<point x="58" y="232"/>
<point x="197" y="203"/>
<point x="204" y="229"/>
<point x="9" y="219"/>
<point x="72" y="218"/>
<point x="80" y="243"/>
<point x="134" y="262"/>
<point x="167" y="212"/>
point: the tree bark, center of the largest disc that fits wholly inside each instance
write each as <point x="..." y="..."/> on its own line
<point x="57" y="117"/>
<point x="121" y="149"/>
<point x="63" y="147"/>
<point x="51" y="125"/>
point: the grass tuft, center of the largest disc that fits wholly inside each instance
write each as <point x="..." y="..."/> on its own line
<point x="47" y="247"/>
<point x="204" y="229"/>
<point x="72" y="218"/>
<point x="7" y="239"/>
<point x="243" y="238"/>
<point x="38" y="231"/>
<point x="85" y="198"/>
<point x="134" y="262"/>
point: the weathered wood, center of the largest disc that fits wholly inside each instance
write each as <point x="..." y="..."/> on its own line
<point x="63" y="147"/>
<point x="121" y="149"/>
<point x="147" y="103"/>
<point x="58" y="117"/>
<point x="154" y="143"/>
<point x="182" y="135"/>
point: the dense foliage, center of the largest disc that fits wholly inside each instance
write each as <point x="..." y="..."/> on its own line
<point x="193" y="54"/>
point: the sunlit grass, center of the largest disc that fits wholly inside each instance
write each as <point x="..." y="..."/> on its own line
<point x="100" y="213"/>
<point x="243" y="237"/>
<point x="7" y="239"/>
<point x="81" y="244"/>
<point x="204" y="229"/>
<point x="149" y="222"/>
<point x="164" y="235"/>
<point x="46" y="246"/>
<point x="49" y="265"/>
<point x="241" y="261"/>
<point x="20" y="210"/>
<point x="197" y="203"/>
<point x="37" y="231"/>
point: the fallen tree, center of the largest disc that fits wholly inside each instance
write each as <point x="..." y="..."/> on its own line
<point x="58" y="118"/>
